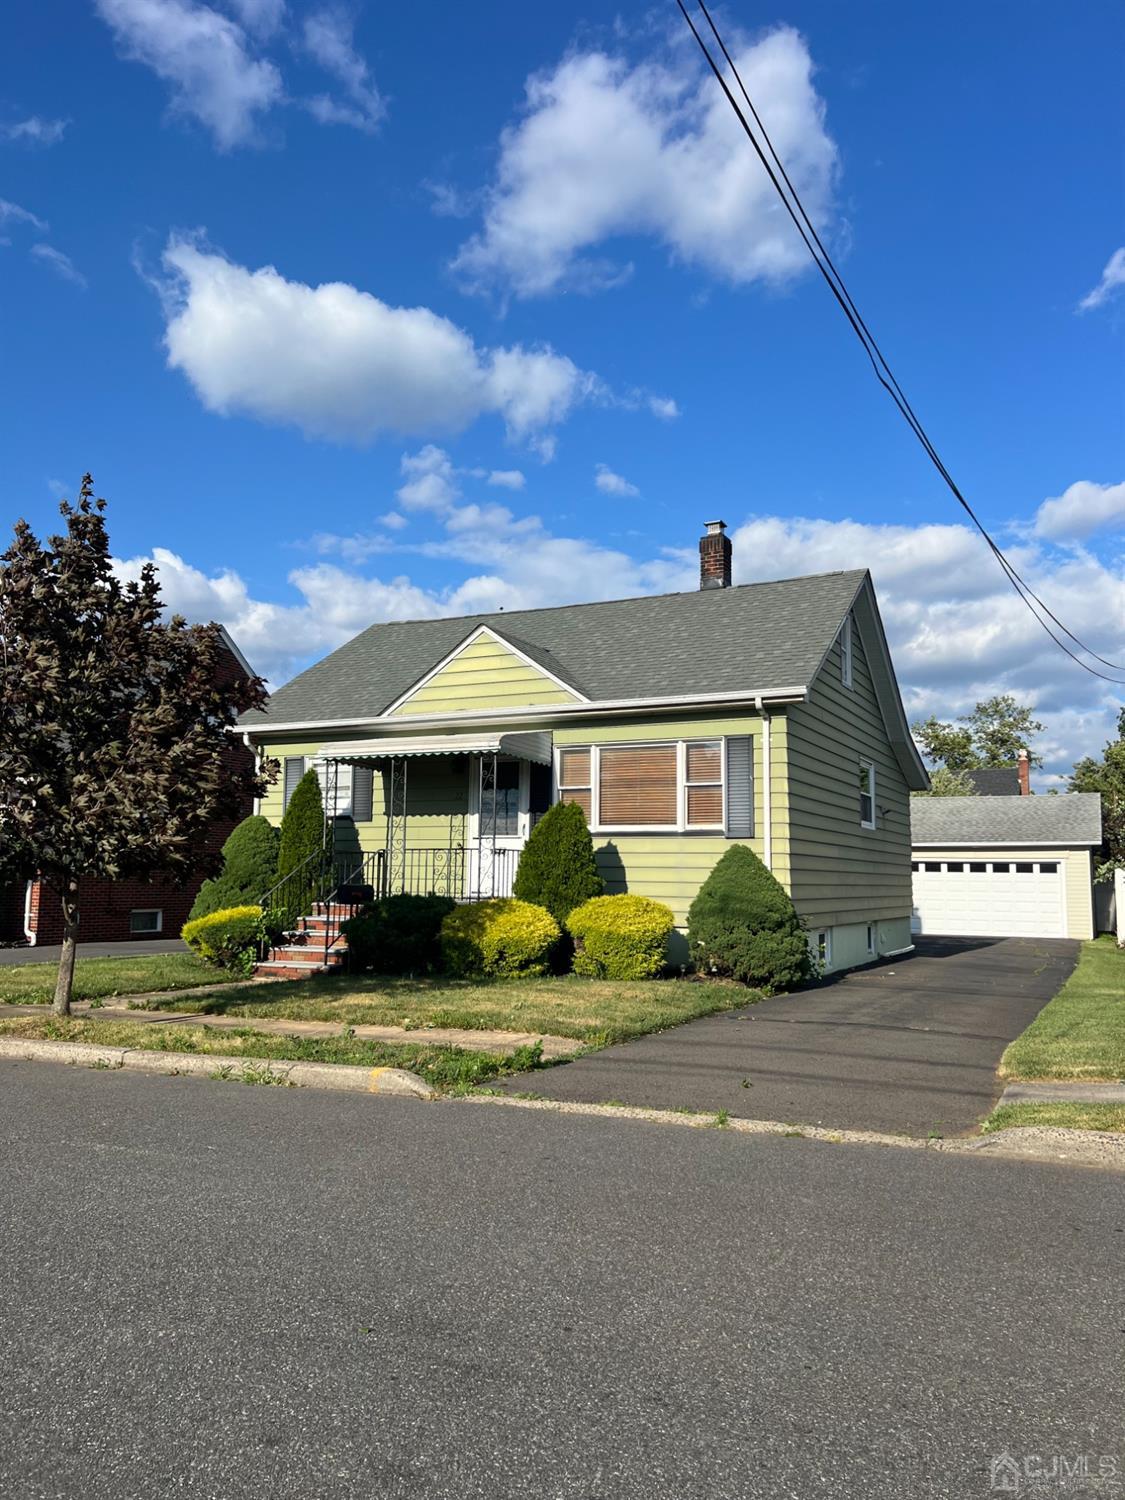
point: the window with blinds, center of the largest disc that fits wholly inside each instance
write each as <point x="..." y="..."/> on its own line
<point x="638" y="786"/>
<point x="703" y="782"/>
<point x="294" y="770"/>
<point x="575" y="784"/>
<point x="363" y="793"/>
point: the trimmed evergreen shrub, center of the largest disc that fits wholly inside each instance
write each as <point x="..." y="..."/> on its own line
<point x="249" y="868"/>
<point x="498" y="938"/>
<point x="742" y="924"/>
<point x="302" y="835"/>
<point x="557" y="868"/>
<point x="620" y="937"/>
<point x="398" y="934"/>
<point x="228" y="939"/>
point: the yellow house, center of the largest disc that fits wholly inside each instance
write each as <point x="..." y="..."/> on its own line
<point x="767" y="714"/>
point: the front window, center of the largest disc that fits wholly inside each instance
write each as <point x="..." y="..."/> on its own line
<point x="866" y="794"/>
<point x="637" y="786"/>
<point x="575" y="784"/>
<point x="680" y="784"/>
<point x="703" y="779"/>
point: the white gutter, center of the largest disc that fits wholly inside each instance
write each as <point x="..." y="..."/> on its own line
<point x="622" y="706"/>
<point x="767" y="786"/>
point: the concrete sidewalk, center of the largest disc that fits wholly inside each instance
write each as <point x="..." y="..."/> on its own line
<point x="503" y="1042"/>
<point x="1070" y="1092"/>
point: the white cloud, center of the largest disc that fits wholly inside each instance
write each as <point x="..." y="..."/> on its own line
<point x="35" y="130"/>
<point x="61" y="264"/>
<point x="613" y="484"/>
<point x="12" y="213"/>
<point x="431" y="480"/>
<point x="339" y="363"/>
<point x="1081" y="510"/>
<point x="263" y="17"/>
<point x="606" y="149"/>
<point x="1112" y="277"/>
<point x="205" y="58"/>
<point x="507" y="479"/>
<point x="664" y="408"/>
<point x="329" y="40"/>
<point x="392" y="520"/>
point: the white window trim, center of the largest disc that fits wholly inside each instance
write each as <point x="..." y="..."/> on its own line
<point x="846" y="664"/>
<point x="144" y="911"/>
<point x="824" y="958"/>
<point x="681" y="825"/>
<point x="872" y="822"/>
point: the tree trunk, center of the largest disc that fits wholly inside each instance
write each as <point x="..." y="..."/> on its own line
<point x="65" y="981"/>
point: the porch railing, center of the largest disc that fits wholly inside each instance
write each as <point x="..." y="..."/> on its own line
<point x="462" y="872"/>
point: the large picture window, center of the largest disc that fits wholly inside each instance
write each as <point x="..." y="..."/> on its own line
<point x="675" y="785"/>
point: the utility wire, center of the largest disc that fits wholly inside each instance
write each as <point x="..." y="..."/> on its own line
<point x="881" y="368"/>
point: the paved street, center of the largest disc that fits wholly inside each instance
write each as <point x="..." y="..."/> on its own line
<point x="215" y="1290"/>
<point x="906" y="1046"/>
<point x="49" y="953"/>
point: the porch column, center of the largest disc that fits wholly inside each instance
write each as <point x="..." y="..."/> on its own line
<point x="396" y="825"/>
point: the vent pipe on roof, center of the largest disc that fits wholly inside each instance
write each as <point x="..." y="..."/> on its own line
<point x="714" y="556"/>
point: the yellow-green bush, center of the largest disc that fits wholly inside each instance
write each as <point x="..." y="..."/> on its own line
<point x="620" y="937"/>
<point x="228" y="939"/>
<point x="498" y="938"/>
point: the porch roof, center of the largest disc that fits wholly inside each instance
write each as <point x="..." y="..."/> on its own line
<point x="528" y="745"/>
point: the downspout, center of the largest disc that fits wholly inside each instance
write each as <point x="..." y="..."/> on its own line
<point x="29" y="932"/>
<point x="767" y="785"/>
<point x="258" y="753"/>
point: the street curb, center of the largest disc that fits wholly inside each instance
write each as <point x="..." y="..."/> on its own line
<point x="1046" y="1144"/>
<point x="309" y="1075"/>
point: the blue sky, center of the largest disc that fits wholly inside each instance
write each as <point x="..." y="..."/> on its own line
<point x="559" y="323"/>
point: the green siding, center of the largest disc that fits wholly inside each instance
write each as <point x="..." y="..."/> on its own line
<point x="842" y="873"/>
<point x="485" y="674"/>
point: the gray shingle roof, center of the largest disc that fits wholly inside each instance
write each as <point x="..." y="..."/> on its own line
<point x="996" y="781"/>
<point x="1072" y="818"/>
<point x="757" y="637"/>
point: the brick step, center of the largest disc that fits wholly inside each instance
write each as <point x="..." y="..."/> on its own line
<point x="300" y="953"/>
<point x="278" y="970"/>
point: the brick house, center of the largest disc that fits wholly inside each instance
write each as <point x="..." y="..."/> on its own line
<point x="129" y="910"/>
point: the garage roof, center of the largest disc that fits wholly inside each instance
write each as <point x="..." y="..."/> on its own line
<point x="1072" y="818"/>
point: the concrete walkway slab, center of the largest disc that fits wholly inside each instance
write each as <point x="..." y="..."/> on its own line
<point x="503" y="1042"/>
<point x="1072" y="1092"/>
<point x="911" y="1045"/>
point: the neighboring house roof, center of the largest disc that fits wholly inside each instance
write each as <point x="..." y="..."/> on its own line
<point x="996" y="781"/>
<point x="760" y="637"/>
<point x="1072" y="818"/>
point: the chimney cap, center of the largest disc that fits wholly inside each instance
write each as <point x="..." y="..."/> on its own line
<point x="714" y="528"/>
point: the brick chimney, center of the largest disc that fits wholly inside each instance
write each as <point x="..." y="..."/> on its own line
<point x="714" y="556"/>
<point x="1023" y="766"/>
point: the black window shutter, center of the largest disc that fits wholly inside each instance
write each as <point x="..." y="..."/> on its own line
<point x="363" y="786"/>
<point x="294" y="770"/>
<point x="740" y="786"/>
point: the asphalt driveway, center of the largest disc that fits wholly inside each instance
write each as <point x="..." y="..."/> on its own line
<point x="908" y="1046"/>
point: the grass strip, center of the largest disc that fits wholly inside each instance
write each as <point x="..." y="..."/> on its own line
<point x="1077" y="1116"/>
<point x="1081" y="1032"/>
<point x="107" y="978"/>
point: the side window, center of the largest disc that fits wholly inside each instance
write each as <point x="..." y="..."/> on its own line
<point x="574" y="779"/>
<point x="363" y="789"/>
<point x="866" y="794"/>
<point x="294" y="770"/>
<point x="846" y="652"/>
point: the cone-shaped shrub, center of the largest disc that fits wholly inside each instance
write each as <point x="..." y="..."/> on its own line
<point x="743" y="924"/>
<point x="249" y="868"/>
<point x="557" y="868"/>
<point x="302" y="834"/>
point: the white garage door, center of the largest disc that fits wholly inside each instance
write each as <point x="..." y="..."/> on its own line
<point x="989" y="898"/>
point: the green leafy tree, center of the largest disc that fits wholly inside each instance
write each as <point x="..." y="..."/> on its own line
<point x="1107" y="776"/>
<point x="557" y="868"/>
<point x="992" y="735"/>
<point x="249" y="869"/>
<point x="114" y="735"/>
<point x="302" y="836"/>
<point x="947" y="783"/>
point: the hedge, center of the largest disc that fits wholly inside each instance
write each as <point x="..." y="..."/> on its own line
<point x="620" y="937"/>
<point x="249" y="868"/>
<point x="398" y="934"/>
<point x="557" y="868"/>
<point x="742" y="924"/>
<point x="498" y="938"/>
<point x="228" y="939"/>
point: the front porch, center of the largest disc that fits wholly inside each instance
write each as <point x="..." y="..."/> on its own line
<point x="445" y="814"/>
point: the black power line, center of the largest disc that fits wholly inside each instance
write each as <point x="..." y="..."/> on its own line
<point x="882" y="369"/>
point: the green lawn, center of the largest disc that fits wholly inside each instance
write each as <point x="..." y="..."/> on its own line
<point x="595" y="1011"/>
<point x="1075" y="1116"/>
<point x="1081" y="1032"/>
<point x="103" y="978"/>
<point x="449" y="1069"/>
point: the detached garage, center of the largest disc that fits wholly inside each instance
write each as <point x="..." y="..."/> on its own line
<point x="1005" y="866"/>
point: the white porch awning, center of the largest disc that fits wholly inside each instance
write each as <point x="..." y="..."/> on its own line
<point x="527" y="745"/>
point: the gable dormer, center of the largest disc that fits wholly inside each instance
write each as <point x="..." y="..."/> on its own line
<point x="488" y="671"/>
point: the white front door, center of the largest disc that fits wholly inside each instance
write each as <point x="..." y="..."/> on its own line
<point x="989" y="897"/>
<point x="491" y="865"/>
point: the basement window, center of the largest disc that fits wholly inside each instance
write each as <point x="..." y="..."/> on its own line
<point x="146" y="921"/>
